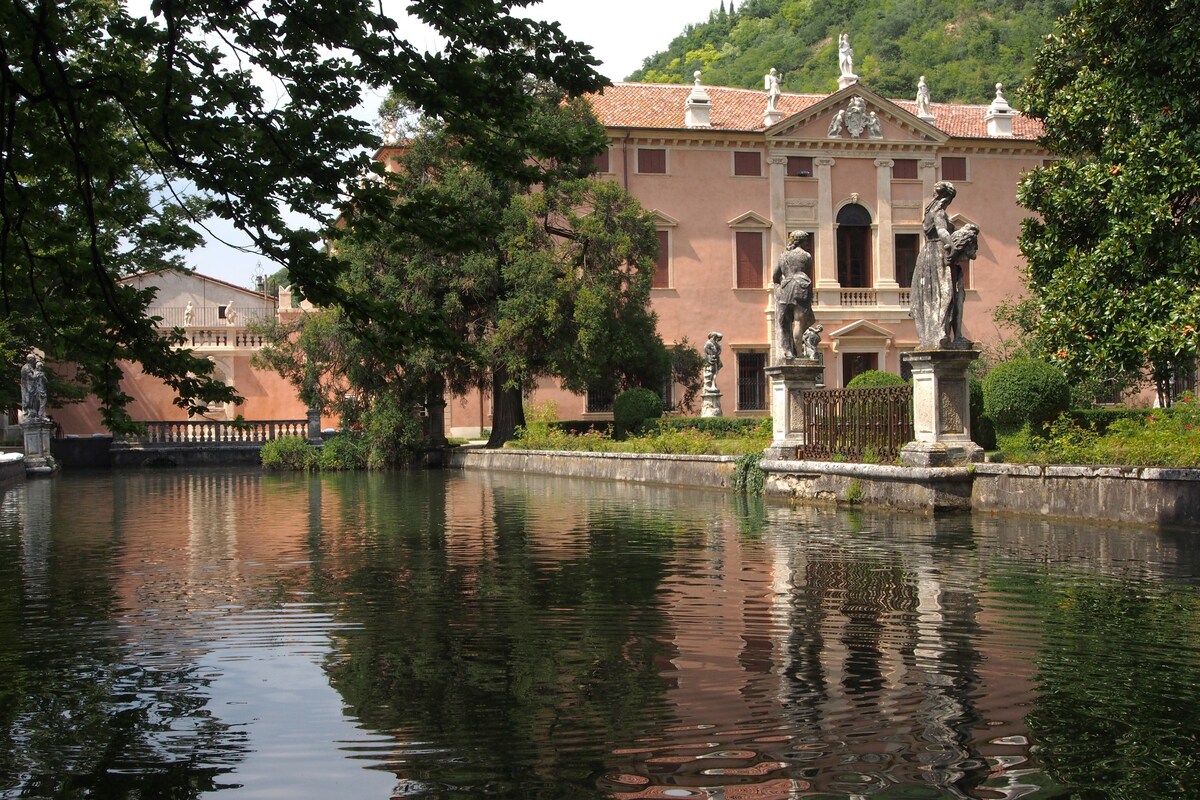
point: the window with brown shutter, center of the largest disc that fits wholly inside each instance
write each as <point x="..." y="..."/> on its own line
<point x="747" y="163"/>
<point x="954" y="168"/>
<point x="601" y="161"/>
<point x="662" y="266"/>
<point x="749" y="259"/>
<point x="652" y="161"/>
<point x="904" y="169"/>
<point x="799" y="166"/>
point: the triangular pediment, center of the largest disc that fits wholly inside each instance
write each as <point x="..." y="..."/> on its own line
<point x="855" y="103"/>
<point x="862" y="329"/>
<point x="662" y="220"/>
<point x="750" y="219"/>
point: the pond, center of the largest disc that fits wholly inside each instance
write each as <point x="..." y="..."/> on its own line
<point x="459" y="635"/>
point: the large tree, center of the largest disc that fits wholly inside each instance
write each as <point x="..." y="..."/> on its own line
<point x="471" y="277"/>
<point x="1114" y="253"/>
<point x="120" y="135"/>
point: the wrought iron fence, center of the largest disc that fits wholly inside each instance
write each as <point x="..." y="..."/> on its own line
<point x="857" y="424"/>
<point x="212" y="433"/>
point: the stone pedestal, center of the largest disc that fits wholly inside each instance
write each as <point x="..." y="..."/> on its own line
<point x="38" y="460"/>
<point x="314" y="426"/>
<point x="941" y="410"/>
<point x="788" y="379"/>
<point x="710" y="404"/>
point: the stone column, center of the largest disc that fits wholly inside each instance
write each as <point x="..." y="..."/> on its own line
<point x="941" y="410"/>
<point x="886" y="288"/>
<point x="928" y="172"/>
<point x="38" y="460"/>
<point x="826" y="266"/>
<point x="789" y="379"/>
<point x="314" y="426"/>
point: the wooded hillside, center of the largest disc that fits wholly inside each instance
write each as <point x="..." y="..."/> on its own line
<point x="963" y="47"/>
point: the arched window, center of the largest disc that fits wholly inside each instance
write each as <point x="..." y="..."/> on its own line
<point x="854" y="246"/>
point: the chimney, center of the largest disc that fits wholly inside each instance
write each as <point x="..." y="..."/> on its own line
<point x="999" y="115"/>
<point x="698" y="112"/>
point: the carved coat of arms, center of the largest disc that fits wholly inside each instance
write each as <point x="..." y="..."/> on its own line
<point x="856" y="119"/>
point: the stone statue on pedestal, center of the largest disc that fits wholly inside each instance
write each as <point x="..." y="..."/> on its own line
<point x="771" y="85"/>
<point x="937" y="283"/>
<point x="923" y="109"/>
<point x="712" y="361"/>
<point x="33" y="388"/>
<point x="793" y="292"/>
<point x="846" y="56"/>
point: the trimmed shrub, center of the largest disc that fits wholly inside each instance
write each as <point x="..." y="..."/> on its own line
<point x="1024" y="391"/>
<point x="1100" y="419"/>
<point x="633" y="407"/>
<point x="343" y="451"/>
<point x="983" y="432"/>
<point x="393" y="434"/>
<point x="288" y="452"/>
<point x="875" y="377"/>
<point x="576" y="427"/>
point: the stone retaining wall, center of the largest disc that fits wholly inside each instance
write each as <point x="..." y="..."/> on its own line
<point x="1142" y="495"/>
<point x="915" y="488"/>
<point x="713" y="472"/>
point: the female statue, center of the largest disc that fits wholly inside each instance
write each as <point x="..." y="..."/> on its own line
<point x="937" y="284"/>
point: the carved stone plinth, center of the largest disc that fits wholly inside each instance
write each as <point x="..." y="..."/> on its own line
<point x="941" y="410"/>
<point x="314" y="426"/>
<point x="38" y="460"/>
<point x="789" y="379"/>
<point x="710" y="404"/>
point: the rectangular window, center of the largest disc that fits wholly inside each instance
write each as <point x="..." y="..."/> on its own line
<point x="800" y="166"/>
<point x="662" y="265"/>
<point x="652" y="161"/>
<point x="954" y="168"/>
<point x="599" y="400"/>
<point x="904" y="169"/>
<point x="907" y="247"/>
<point x="601" y="161"/>
<point x="752" y="381"/>
<point x="221" y="311"/>
<point x="749" y="259"/>
<point x="747" y="163"/>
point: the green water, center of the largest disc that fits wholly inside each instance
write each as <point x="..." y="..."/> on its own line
<point x="461" y="635"/>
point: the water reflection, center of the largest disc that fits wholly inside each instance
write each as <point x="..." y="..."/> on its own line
<point x="465" y="635"/>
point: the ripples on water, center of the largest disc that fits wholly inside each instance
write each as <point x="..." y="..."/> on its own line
<point x="463" y="635"/>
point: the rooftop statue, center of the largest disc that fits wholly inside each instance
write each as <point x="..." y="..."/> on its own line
<point x="923" y="109"/>
<point x="771" y="85"/>
<point x="845" y="56"/>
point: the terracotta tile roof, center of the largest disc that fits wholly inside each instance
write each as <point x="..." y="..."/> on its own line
<point x="658" y="105"/>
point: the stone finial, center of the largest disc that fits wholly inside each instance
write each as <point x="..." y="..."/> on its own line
<point x="698" y="109"/>
<point x="999" y="116"/>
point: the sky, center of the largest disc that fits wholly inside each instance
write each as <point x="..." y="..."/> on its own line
<point x="617" y="41"/>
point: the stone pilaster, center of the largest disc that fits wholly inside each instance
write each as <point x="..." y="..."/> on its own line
<point x="888" y="291"/>
<point x="826" y="267"/>
<point x="941" y="410"/>
<point x="928" y="172"/>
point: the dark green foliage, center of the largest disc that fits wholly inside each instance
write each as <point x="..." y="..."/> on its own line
<point x="124" y="135"/>
<point x="983" y="430"/>
<point x="343" y="451"/>
<point x="394" y="435"/>
<point x="1114" y="246"/>
<point x="1024" y="391"/>
<point x="288" y="453"/>
<point x="687" y="364"/>
<point x="576" y="427"/>
<point x="719" y="426"/>
<point x="875" y="377"/>
<point x="1100" y="419"/>
<point x="748" y="476"/>
<point x="633" y="407"/>
<point x="963" y="46"/>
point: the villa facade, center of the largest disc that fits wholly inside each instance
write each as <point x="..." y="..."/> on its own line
<point x="729" y="173"/>
<point x="217" y="320"/>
